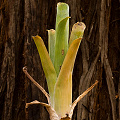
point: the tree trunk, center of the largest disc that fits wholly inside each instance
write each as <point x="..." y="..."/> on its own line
<point x="97" y="59"/>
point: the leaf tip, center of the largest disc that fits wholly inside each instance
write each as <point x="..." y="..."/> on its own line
<point x="36" y="37"/>
<point x="62" y="3"/>
<point x="79" y="25"/>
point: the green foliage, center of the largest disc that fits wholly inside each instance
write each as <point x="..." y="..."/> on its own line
<point x="61" y="45"/>
<point x="49" y="70"/>
<point x="58" y="64"/>
<point x="51" y="44"/>
<point x="63" y="88"/>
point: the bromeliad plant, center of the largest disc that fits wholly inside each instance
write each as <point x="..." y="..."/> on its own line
<point x="58" y="65"/>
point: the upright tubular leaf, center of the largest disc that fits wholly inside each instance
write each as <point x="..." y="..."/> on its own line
<point x="77" y="31"/>
<point x="62" y="90"/>
<point x="61" y="45"/>
<point x="62" y="12"/>
<point x="51" y="44"/>
<point x="62" y="34"/>
<point x="47" y="65"/>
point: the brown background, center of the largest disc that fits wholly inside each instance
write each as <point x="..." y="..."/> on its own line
<point x="98" y="57"/>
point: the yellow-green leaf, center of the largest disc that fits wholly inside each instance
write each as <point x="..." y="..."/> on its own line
<point x="62" y="12"/>
<point x="62" y="34"/>
<point x="51" y="44"/>
<point x="47" y="65"/>
<point x="61" y="45"/>
<point x="63" y="84"/>
<point x="77" y="31"/>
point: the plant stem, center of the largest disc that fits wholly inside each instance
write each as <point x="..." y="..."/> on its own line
<point x="36" y="84"/>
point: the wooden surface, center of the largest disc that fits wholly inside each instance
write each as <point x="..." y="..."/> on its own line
<point x="97" y="59"/>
